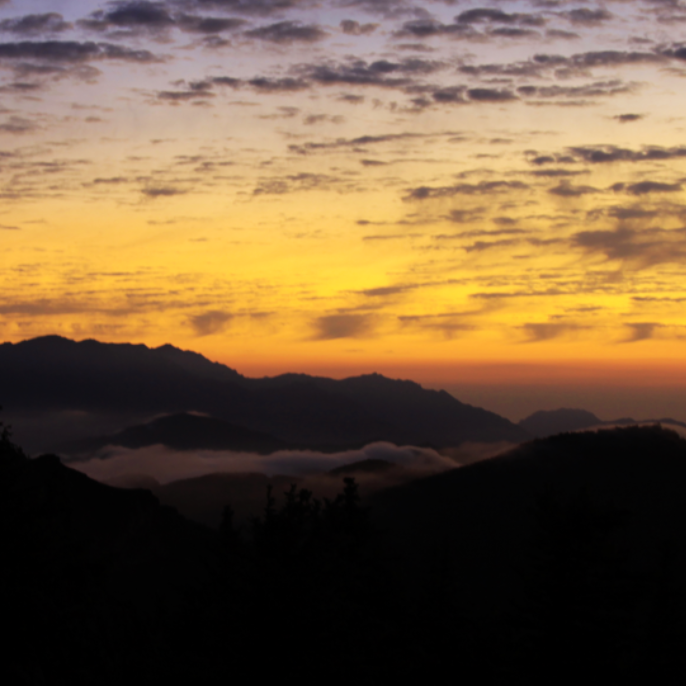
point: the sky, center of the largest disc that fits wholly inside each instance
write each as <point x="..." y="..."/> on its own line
<point x="487" y="197"/>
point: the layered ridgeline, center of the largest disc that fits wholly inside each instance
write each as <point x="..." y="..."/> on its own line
<point x="550" y="422"/>
<point x="57" y="392"/>
<point x="562" y="558"/>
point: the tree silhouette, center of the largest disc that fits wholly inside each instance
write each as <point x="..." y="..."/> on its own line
<point x="12" y="457"/>
<point x="303" y="527"/>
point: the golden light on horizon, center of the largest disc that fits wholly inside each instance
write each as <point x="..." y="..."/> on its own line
<point x="317" y="199"/>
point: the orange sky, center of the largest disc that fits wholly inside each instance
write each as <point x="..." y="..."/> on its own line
<point x="450" y="192"/>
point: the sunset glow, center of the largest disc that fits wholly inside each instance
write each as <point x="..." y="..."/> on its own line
<point x="444" y="191"/>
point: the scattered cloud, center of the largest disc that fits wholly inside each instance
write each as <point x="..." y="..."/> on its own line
<point x="293" y="183"/>
<point x="449" y="324"/>
<point x="490" y="95"/>
<point x="211" y="322"/>
<point x="480" y="246"/>
<point x="334" y="326"/>
<point x="428" y="28"/>
<point x="254" y="7"/>
<point x="359" y="144"/>
<point x="481" y="188"/>
<point x="288" y="32"/>
<point x="312" y="119"/>
<point x="605" y="154"/>
<point x="136" y="14"/>
<point x="584" y="16"/>
<point x="359" y="72"/>
<point x="161" y="191"/>
<point x="590" y="90"/>
<point x="634" y="248"/>
<point x="287" y="84"/>
<point x="546" y="331"/>
<point x="645" y="187"/>
<point x="354" y="28"/>
<point x="18" y="125"/>
<point x="566" y="190"/>
<point x="254" y="99"/>
<point x="496" y="16"/>
<point x="479" y="233"/>
<point x="192" y="23"/>
<point x="110" y="180"/>
<point x="136" y="17"/>
<point x="35" y="24"/>
<point x="628" y="117"/>
<point x="73" y="52"/>
<point x="640" y="331"/>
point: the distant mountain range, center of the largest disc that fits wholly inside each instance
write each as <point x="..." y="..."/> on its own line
<point x="114" y="386"/>
<point x="77" y="397"/>
<point x="550" y="422"/>
<point x="182" y="431"/>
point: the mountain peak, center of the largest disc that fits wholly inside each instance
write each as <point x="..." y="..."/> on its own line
<point x="548" y="422"/>
<point x="109" y="386"/>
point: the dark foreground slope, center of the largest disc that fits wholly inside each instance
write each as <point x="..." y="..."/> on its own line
<point x="57" y="389"/>
<point x="568" y="551"/>
<point x="562" y="559"/>
<point x="104" y="586"/>
<point x="95" y="580"/>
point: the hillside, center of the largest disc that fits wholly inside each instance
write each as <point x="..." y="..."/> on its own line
<point x="57" y="390"/>
<point x="563" y="556"/>
<point x="546" y="423"/>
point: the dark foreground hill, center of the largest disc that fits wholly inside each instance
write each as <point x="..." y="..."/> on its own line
<point x="572" y="549"/>
<point x="91" y="573"/>
<point x="56" y="390"/>
<point x="100" y="585"/>
<point x="563" y="558"/>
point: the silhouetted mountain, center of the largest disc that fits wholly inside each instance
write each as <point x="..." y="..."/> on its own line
<point x="103" y="586"/>
<point x="418" y="416"/>
<point x="122" y="384"/>
<point x="550" y="422"/>
<point x="560" y="559"/>
<point x="183" y="431"/>
<point x="569" y="546"/>
<point x="84" y="568"/>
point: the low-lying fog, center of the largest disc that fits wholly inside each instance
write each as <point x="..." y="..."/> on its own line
<point x="201" y="483"/>
<point x="166" y="465"/>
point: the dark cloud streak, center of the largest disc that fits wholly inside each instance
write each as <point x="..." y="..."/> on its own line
<point x="73" y="52"/>
<point x="155" y="18"/>
<point x="211" y="322"/>
<point x="35" y="24"/>
<point x="288" y="32"/>
<point x="335" y="326"/>
<point x="482" y="188"/>
<point x="604" y="154"/>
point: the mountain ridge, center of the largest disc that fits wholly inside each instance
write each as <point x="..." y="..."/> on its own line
<point x="544" y="423"/>
<point x="126" y="384"/>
